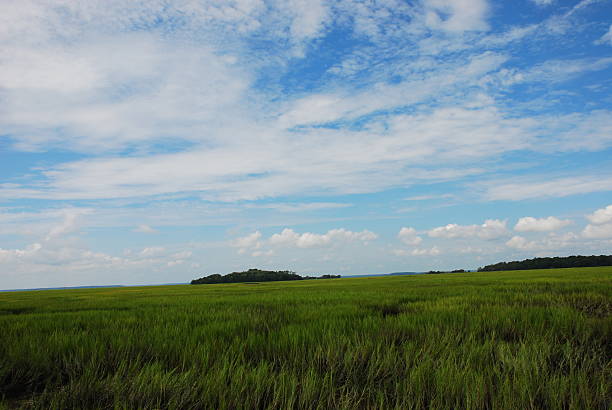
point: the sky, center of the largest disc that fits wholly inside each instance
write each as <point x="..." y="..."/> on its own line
<point x="152" y="141"/>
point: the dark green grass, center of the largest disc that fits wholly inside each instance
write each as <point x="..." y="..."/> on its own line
<point x="491" y="340"/>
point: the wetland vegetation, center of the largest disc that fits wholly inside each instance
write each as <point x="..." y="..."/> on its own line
<point x="479" y="340"/>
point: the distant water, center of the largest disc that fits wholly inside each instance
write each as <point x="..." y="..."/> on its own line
<point x="369" y="275"/>
<point x="91" y="287"/>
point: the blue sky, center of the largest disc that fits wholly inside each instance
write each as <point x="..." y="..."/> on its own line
<point x="159" y="141"/>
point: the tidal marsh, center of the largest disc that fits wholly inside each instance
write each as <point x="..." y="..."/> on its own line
<point x="487" y="340"/>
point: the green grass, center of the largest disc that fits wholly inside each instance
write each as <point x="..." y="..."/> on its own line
<point x="491" y="340"/>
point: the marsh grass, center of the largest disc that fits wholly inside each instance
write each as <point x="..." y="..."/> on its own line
<point x="491" y="340"/>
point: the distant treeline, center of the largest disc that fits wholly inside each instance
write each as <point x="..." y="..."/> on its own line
<point x="256" y="275"/>
<point x="447" y="271"/>
<point x="551" y="263"/>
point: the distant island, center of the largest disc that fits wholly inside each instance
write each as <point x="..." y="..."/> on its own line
<point x="447" y="271"/>
<point x="551" y="263"/>
<point x="256" y="275"/>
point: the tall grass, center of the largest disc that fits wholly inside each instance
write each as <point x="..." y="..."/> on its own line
<point x="497" y="340"/>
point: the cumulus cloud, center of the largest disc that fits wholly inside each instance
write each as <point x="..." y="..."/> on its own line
<point x="409" y="236"/>
<point x="519" y="242"/>
<point x="601" y="216"/>
<point x="249" y="241"/>
<point x="601" y="231"/>
<point x="288" y="237"/>
<point x="530" y="224"/>
<point x="291" y="239"/>
<point x="552" y="242"/>
<point x="601" y="224"/>
<point x="490" y="229"/>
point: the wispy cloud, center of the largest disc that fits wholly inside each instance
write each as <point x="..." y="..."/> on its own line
<point x="529" y="188"/>
<point x="606" y="38"/>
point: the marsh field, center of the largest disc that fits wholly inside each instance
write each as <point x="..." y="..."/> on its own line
<point x="489" y="340"/>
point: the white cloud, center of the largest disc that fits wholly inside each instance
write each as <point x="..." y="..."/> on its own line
<point x="76" y="91"/>
<point x="556" y="70"/>
<point x="69" y="224"/>
<point x="551" y="242"/>
<point x="409" y="236"/>
<point x="456" y="15"/>
<point x="309" y="18"/>
<point x="288" y="237"/>
<point x="9" y="255"/>
<point x="188" y="109"/>
<point x="601" y="216"/>
<point x="43" y="264"/>
<point x="530" y="224"/>
<point x="141" y="95"/>
<point x="328" y="107"/>
<point x="490" y="229"/>
<point x="265" y="165"/>
<point x="582" y="4"/>
<point x="268" y="163"/>
<point x="40" y="258"/>
<point x="248" y="241"/>
<point x="518" y="242"/>
<point x="546" y="187"/>
<point x="600" y="231"/>
<point x="145" y="229"/>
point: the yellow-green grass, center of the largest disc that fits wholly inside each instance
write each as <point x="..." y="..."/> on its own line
<point x="490" y="340"/>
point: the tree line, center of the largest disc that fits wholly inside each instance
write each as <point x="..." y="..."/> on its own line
<point x="256" y="275"/>
<point x="551" y="263"/>
<point x="447" y="271"/>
